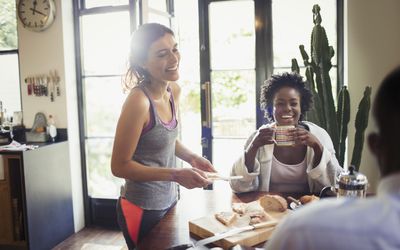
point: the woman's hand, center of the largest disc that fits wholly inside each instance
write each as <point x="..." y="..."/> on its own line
<point x="191" y="178"/>
<point x="202" y="164"/>
<point x="303" y="136"/>
<point x="265" y="135"/>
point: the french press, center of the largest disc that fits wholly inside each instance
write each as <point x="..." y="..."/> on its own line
<point x="349" y="184"/>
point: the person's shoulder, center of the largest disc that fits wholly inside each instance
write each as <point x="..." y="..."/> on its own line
<point x="311" y="125"/>
<point x="329" y="213"/>
<point x="314" y="128"/>
<point x="137" y="100"/>
<point x="314" y="215"/>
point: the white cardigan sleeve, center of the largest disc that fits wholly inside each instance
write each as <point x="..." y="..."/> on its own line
<point x="250" y="180"/>
<point x="325" y="173"/>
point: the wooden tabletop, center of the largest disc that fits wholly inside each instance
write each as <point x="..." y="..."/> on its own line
<point x="173" y="229"/>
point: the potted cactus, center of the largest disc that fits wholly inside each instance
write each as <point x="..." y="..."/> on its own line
<point x="334" y="119"/>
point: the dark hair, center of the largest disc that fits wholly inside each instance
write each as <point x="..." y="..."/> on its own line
<point x="141" y="41"/>
<point x="278" y="81"/>
<point x="387" y="115"/>
<point x="387" y="100"/>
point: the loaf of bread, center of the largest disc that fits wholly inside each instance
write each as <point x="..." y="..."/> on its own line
<point x="274" y="203"/>
<point x="308" y="198"/>
<point x="226" y="218"/>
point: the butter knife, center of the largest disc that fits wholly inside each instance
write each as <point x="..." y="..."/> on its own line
<point x="234" y="231"/>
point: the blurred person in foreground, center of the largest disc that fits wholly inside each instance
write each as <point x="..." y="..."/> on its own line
<point x="146" y="144"/>
<point x="307" y="165"/>
<point x="353" y="223"/>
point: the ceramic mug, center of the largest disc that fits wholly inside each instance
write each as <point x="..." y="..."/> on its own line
<point x="283" y="136"/>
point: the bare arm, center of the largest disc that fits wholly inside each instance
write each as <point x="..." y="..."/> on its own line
<point x="181" y="150"/>
<point x="264" y="136"/>
<point x="193" y="159"/>
<point x="134" y="116"/>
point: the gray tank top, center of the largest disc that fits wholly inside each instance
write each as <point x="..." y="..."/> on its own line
<point x="156" y="148"/>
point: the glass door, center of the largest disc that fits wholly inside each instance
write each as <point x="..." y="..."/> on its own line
<point x="228" y="79"/>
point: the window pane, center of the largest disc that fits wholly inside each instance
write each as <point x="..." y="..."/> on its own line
<point x="233" y="103"/>
<point x="160" y="5"/>
<point x="156" y="18"/>
<point x="105" y="43"/>
<point x="225" y="153"/>
<point x="10" y="93"/>
<point x="101" y="183"/>
<point x="233" y="36"/>
<point x="99" y="3"/>
<point x="289" y="33"/>
<point x="103" y="102"/>
<point x="187" y="35"/>
<point x="8" y="25"/>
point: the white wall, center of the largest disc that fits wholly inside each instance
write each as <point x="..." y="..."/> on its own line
<point x="372" y="43"/>
<point x="40" y="52"/>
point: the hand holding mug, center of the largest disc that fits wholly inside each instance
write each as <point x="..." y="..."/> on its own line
<point x="265" y="135"/>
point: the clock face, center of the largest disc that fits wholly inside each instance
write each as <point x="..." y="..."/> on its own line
<point x="36" y="15"/>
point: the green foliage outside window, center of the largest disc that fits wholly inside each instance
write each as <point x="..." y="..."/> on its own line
<point x="8" y="25"/>
<point x="228" y="90"/>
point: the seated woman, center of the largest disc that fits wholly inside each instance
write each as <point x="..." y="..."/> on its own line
<point x="306" y="166"/>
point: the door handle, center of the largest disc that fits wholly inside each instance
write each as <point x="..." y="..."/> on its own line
<point x="204" y="142"/>
<point x="206" y="87"/>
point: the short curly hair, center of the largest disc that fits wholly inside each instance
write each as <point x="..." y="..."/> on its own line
<point x="278" y="81"/>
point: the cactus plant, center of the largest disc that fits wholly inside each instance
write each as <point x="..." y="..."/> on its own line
<point x="324" y="114"/>
<point x="343" y="118"/>
<point x="361" y="124"/>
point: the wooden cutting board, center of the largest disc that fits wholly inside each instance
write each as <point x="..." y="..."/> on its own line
<point x="208" y="226"/>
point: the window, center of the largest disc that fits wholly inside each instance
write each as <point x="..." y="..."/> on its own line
<point x="10" y="95"/>
<point x="105" y="27"/>
<point x="102" y="3"/>
<point x="289" y="33"/>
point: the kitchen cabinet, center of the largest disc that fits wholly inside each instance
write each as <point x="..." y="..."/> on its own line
<point x="35" y="197"/>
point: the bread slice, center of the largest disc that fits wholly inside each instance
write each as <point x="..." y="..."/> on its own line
<point x="308" y="198"/>
<point x="239" y="207"/>
<point x="225" y="218"/>
<point x="274" y="203"/>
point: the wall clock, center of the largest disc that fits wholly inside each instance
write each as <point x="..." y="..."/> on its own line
<point x="36" y="15"/>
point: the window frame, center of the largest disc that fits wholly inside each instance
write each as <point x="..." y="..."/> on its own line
<point x="102" y="211"/>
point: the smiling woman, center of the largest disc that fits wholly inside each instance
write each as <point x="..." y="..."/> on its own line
<point x="307" y="164"/>
<point x="146" y="144"/>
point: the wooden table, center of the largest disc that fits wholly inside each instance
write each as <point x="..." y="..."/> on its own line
<point x="173" y="229"/>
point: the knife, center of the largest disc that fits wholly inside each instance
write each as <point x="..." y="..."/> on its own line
<point x="234" y="231"/>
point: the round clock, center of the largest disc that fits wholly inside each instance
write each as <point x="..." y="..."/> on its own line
<point x="36" y="15"/>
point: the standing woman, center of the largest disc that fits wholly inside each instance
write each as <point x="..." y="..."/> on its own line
<point x="146" y="145"/>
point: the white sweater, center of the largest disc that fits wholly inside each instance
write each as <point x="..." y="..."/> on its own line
<point x="324" y="174"/>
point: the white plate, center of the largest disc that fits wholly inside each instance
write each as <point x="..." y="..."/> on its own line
<point x="225" y="178"/>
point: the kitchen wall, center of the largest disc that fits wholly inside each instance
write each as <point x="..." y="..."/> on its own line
<point x="372" y="44"/>
<point x="40" y="52"/>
